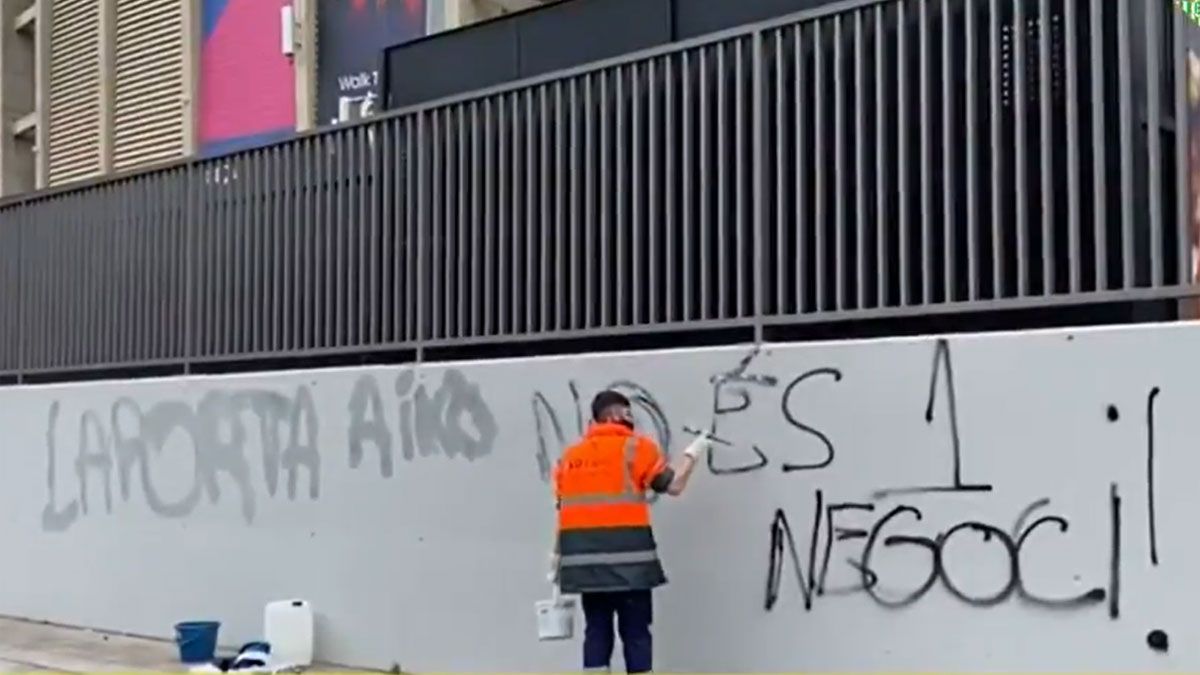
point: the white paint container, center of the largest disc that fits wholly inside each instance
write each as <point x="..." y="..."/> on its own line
<point x="555" y="617"/>
<point x="288" y="628"/>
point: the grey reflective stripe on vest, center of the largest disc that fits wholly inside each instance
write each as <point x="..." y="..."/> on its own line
<point x="608" y="558"/>
<point x="629" y="493"/>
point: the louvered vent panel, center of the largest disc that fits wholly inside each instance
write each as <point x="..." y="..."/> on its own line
<point x="74" y="130"/>
<point x="148" y="83"/>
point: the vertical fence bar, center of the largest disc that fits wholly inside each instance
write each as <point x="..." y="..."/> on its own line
<point x="1045" y="78"/>
<point x="819" y="223"/>
<point x="563" y="199"/>
<point x="385" y="176"/>
<point x="548" y="223"/>
<point x="516" y="267"/>
<point x="574" y="316"/>
<point x="593" y="177"/>
<point x="972" y="100"/>
<point x="363" y="243"/>
<point x="532" y="225"/>
<point x="799" y="108"/>
<point x="702" y="198"/>
<point x="605" y="277"/>
<point x="443" y="221"/>
<point x="949" y="129"/>
<point x="479" y="173"/>
<point x="1099" y="159"/>
<point x="925" y="127"/>
<point x="257" y="295"/>
<point x="376" y="197"/>
<point x="689" y="166"/>
<point x="1125" y="98"/>
<point x="739" y="222"/>
<point x="231" y="184"/>
<point x="292" y="231"/>
<point x="839" y="168"/>
<point x="722" y="153"/>
<point x="670" y="247"/>
<point x="411" y="258"/>
<point x="492" y="174"/>
<point x="1154" y="140"/>
<point x="278" y="252"/>
<point x="503" y="195"/>
<point x="902" y="160"/>
<point x="883" y="214"/>
<point x="1020" y="107"/>
<point x="860" y="162"/>
<point x="653" y="217"/>
<point x="1182" y="144"/>
<point x="433" y="227"/>
<point x="781" y="251"/>
<point x="638" y="274"/>
<point x="620" y="192"/>
<point x="422" y="228"/>
<point x="994" y="122"/>
<point x="1075" y="251"/>
<point x="758" y="176"/>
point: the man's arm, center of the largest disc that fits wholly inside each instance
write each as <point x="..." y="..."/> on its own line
<point x="673" y="479"/>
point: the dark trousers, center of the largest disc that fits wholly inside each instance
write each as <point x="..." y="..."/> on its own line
<point x="634" y="613"/>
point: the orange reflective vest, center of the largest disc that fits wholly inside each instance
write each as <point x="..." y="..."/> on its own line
<point x="604" y="535"/>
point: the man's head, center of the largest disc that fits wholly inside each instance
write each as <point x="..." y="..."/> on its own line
<point x="612" y="406"/>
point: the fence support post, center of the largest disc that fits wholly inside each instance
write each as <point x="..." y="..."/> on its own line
<point x="758" y="108"/>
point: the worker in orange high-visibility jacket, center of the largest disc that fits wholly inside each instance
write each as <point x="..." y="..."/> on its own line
<point x="604" y="548"/>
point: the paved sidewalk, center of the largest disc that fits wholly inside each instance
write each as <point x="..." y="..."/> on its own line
<point x="27" y="646"/>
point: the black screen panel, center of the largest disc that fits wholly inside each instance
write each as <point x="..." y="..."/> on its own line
<point x="576" y="32"/>
<point x="451" y="63"/>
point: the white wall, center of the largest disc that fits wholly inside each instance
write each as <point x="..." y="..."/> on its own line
<point x="432" y="553"/>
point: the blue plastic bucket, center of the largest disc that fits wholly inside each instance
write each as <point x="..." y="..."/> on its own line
<point x="197" y="640"/>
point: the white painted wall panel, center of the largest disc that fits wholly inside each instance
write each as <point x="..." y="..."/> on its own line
<point x="435" y="562"/>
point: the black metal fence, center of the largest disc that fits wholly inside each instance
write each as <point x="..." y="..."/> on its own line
<point x="866" y="159"/>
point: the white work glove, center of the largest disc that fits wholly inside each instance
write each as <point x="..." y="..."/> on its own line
<point x="697" y="446"/>
<point x="552" y="575"/>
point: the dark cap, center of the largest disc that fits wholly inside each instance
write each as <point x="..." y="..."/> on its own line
<point x="605" y="400"/>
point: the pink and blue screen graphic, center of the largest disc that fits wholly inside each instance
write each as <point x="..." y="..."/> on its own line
<point x="247" y="84"/>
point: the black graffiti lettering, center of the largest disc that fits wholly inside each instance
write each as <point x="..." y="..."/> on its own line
<point x="53" y="518"/>
<point x="273" y="411"/>
<point x="781" y="536"/>
<point x="468" y="427"/>
<point x="642" y="400"/>
<point x="1022" y="532"/>
<point x="213" y="434"/>
<point x="302" y="449"/>
<point x="368" y="425"/>
<point x="404" y="385"/>
<point x="1152" y="520"/>
<point x="224" y="440"/>
<point x="832" y="532"/>
<point x="721" y="385"/>
<point x="1090" y="597"/>
<point x="989" y="533"/>
<point x="942" y="364"/>
<point x="93" y="455"/>
<point x="545" y="422"/>
<point x="1114" y="569"/>
<point x="578" y="406"/>
<point x="552" y="437"/>
<point x="870" y="577"/>
<point x="151" y="430"/>
<point x="785" y="406"/>
<point x="454" y="419"/>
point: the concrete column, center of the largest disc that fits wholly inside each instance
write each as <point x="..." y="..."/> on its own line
<point x="18" y="99"/>
<point x="304" y="62"/>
